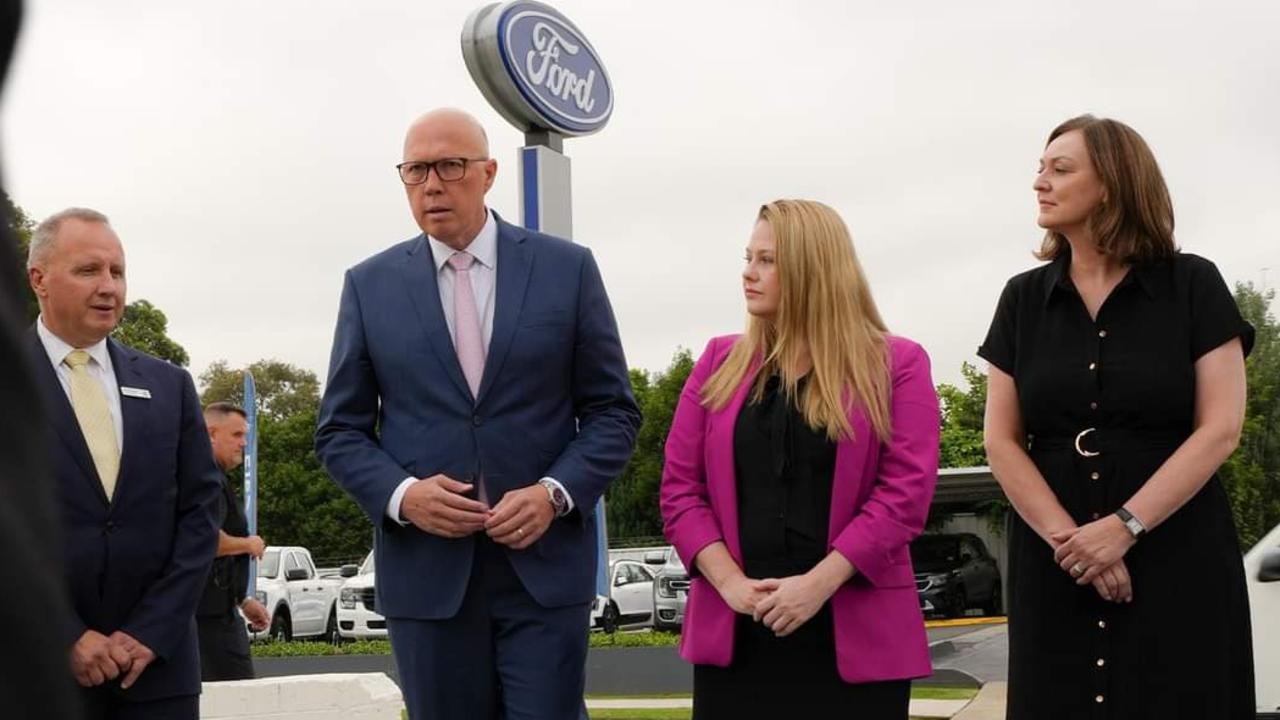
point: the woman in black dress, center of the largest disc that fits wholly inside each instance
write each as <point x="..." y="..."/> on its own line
<point x="1116" y="390"/>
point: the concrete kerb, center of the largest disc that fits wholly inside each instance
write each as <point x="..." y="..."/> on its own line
<point x="373" y="696"/>
<point x="988" y="704"/>
<point x="919" y="708"/>
<point x="349" y="696"/>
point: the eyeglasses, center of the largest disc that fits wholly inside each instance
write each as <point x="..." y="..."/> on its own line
<point x="415" y="172"/>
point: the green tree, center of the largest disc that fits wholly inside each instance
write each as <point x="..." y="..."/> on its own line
<point x="144" y="327"/>
<point x="1251" y="476"/>
<point x="632" y="500"/>
<point x="298" y="504"/>
<point x="962" y="413"/>
<point x="282" y="390"/>
<point x="21" y="225"/>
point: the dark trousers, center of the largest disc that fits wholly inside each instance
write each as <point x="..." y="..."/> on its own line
<point x="100" y="703"/>
<point x="224" y="648"/>
<point x="502" y="657"/>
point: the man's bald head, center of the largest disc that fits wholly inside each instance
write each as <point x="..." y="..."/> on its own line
<point x="452" y="211"/>
<point x="451" y="122"/>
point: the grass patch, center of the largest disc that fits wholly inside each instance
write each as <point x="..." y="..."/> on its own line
<point x="634" y="639"/>
<point x="303" y="648"/>
<point x="661" y="714"/>
<point x="928" y="692"/>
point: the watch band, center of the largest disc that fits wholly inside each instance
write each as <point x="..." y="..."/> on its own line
<point x="1134" y="525"/>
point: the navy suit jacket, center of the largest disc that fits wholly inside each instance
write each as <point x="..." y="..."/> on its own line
<point x="139" y="562"/>
<point x="555" y="400"/>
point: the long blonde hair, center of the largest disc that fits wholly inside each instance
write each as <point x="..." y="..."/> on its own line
<point x="825" y="302"/>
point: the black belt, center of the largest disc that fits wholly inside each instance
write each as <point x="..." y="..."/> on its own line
<point x="1091" y="442"/>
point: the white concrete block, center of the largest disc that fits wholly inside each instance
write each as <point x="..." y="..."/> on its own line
<point x="352" y="696"/>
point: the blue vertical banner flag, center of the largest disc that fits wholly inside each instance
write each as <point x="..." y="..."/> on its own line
<point x="251" y="470"/>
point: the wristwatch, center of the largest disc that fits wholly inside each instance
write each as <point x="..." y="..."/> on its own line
<point x="1134" y="525"/>
<point x="558" y="500"/>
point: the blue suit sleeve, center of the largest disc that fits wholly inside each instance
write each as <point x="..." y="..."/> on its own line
<point x="160" y="619"/>
<point x="608" y="417"/>
<point x="346" y="431"/>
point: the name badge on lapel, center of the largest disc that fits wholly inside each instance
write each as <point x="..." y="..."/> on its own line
<point x="143" y="393"/>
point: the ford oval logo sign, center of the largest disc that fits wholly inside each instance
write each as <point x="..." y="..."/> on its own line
<point x="537" y="68"/>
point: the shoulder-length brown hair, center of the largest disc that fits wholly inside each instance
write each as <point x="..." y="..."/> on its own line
<point x="825" y="307"/>
<point x="1134" y="222"/>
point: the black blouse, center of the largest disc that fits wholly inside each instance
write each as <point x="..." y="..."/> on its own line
<point x="784" y="471"/>
<point x="1131" y="369"/>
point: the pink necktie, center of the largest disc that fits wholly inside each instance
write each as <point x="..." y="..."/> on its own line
<point x="466" y="323"/>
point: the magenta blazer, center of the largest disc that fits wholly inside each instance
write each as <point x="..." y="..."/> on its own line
<point x="879" y="501"/>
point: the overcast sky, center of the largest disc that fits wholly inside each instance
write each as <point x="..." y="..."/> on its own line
<point x="245" y="150"/>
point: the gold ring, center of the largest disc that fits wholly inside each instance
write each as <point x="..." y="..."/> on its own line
<point x="520" y="531"/>
<point x="1077" y="570"/>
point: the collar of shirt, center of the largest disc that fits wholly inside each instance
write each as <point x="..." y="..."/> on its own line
<point x="1147" y="275"/>
<point x="484" y="248"/>
<point x="58" y="349"/>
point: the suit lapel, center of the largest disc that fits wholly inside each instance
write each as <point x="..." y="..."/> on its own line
<point x="514" y="267"/>
<point x="62" y="417"/>
<point x="133" y="410"/>
<point x="419" y="274"/>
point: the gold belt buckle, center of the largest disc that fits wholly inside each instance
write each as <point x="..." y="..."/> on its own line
<point x="1082" y="451"/>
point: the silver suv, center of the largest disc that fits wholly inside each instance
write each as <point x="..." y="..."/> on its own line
<point x="670" y="591"/>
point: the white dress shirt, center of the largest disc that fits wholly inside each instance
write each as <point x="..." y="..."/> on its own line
<point x="484" y="275"/>
<point x="99" y="368"/>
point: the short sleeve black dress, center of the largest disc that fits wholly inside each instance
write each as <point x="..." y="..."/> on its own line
<point x="1122" y="387"/>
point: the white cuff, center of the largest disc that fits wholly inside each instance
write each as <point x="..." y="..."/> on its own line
<point x="393" y="505"/>
<point x="567" y="496"/>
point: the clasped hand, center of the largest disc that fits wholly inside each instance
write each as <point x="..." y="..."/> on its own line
<point x="1093" y="554"/>
<point x="782" y="605"/>
<point x="439" y="505"/>
<point x="96" y="658"/>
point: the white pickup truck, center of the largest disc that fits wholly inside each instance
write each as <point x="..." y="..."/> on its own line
<point x="357" y="618"/>
<point x="302" y="602"/>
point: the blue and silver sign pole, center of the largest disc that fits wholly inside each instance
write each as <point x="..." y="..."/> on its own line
<point x="251" y="470"/>
<point x="538" y="70"/>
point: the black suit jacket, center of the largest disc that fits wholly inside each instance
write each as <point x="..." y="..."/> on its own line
<point x="139" y="562"/>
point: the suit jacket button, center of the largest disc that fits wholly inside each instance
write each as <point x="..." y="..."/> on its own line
<point x="476" y="421"/>
<point x="106" y="530"/>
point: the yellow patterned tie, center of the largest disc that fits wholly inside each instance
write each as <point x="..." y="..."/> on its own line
<point x="96" y="424"/>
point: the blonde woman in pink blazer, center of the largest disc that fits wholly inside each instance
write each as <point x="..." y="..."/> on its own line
<point x="801" y="462"/>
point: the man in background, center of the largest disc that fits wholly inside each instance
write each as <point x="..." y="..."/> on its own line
<point x="224" y="644"/>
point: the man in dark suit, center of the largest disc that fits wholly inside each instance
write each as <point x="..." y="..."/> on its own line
<point x="224" y="644"/>
<point x="135" y="476"/>
<point x="477" y="406"/>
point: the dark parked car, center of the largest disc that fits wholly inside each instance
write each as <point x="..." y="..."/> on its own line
<point x="954" y="572"/>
